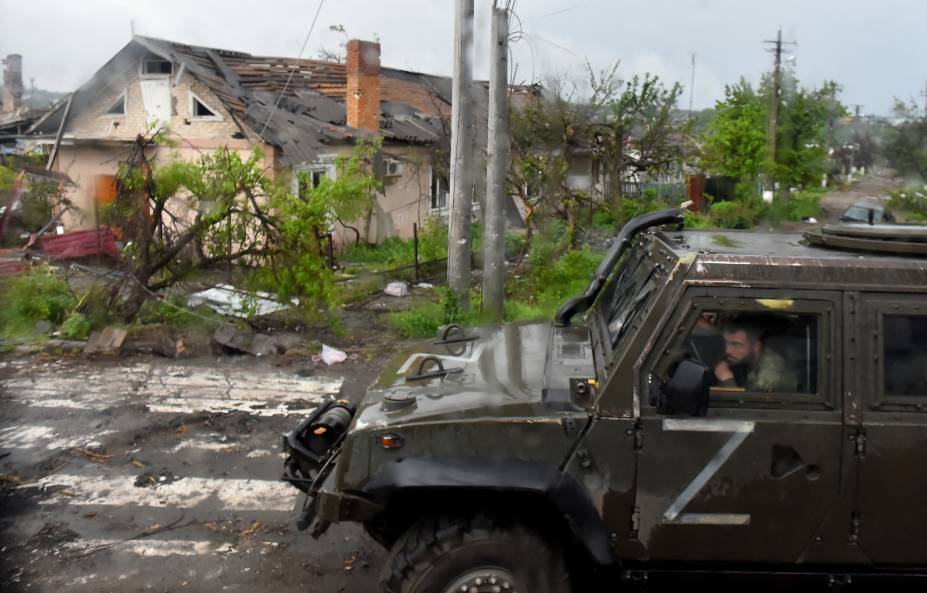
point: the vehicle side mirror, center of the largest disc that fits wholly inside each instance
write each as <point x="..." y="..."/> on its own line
<point x="687" y="390"/>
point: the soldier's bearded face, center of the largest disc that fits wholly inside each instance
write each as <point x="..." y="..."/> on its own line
<point x="739" y="348"/>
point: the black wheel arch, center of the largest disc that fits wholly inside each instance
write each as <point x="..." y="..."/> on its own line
<point x="529" y="491"/>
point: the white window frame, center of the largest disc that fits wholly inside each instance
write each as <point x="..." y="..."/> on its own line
<point x="124" y="95"/>
<point x="440" y="210"/>
<point x="324" y="165"/>
<point x="193" y="117"/>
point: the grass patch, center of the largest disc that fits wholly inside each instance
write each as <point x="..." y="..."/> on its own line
<point x="34" y="304"/>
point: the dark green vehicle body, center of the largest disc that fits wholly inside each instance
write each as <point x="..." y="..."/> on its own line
<point x="566" y="421"/>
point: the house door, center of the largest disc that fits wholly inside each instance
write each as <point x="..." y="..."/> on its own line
<point x="755" y="479"/>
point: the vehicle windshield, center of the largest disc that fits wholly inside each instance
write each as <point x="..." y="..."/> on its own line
<point x="625" y="297"/>
<point x="861" y="213"/>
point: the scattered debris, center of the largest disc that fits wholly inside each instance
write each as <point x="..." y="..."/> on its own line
<point x="149" y="479"/>
<point x="98" y="457"/>
<point x="330" y="355"/>
<point x="11" y="478"/>
<point x="138" y="464"/>
<point x="397" y="289"/>
<point x="228" y="300"/>
<point x="155" y="339"/>
<point x="246" y="340"/>
<point x="79" y="244"/>
<point x="251" y="530"/>
<point x="106" y="341"/>
<point x="424" y="285"/>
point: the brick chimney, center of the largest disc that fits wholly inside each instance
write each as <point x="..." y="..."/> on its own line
<point x="12" y="83"/>
<point x="363" y="90"/>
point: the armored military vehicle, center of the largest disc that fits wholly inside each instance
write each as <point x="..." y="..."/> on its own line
<point x="738" y="402"/>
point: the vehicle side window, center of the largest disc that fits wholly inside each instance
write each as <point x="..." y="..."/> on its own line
<point x="904" y="352"/>
<point x="756" y="352"/>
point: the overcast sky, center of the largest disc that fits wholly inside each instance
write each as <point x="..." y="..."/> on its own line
<point x="875" y="49"/>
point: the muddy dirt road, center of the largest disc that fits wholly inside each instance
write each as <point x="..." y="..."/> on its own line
<point x="146" y="475"/>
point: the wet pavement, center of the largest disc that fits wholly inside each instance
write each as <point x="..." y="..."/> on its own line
<point x="143" y="474"/>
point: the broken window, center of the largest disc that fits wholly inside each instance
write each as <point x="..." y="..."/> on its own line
<point x="438" y="190"/>
<point x="200" y="110"/>
<point x="157" y="67"/>
<point x="118" y="107"/>
<point x="310" y="178"/>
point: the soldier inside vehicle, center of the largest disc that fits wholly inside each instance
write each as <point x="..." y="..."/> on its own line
<point x="757" y="352"/>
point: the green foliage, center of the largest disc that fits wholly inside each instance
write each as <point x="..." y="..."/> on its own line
<point x="735" y="142"/>
<point x="298" y="269"/>
<point x="39" y="296"/>
<point x="394" y="252"/>
<point x="424" y="320"/>
<point x="554" y="272"/>
<point x="906" y="144"/>
<point x="648" y="202"/>
<point x="629" y="125"/>
<point x="421" y="322"/>
<point x="796" y="207"/>
<point x="174" y="311"/>
<point x="76" y="327"/>
<point x="911" y="202"/>
<point x="7" y="178"/>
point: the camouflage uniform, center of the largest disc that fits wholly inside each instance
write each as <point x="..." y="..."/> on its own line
<point x="771" y="374"/>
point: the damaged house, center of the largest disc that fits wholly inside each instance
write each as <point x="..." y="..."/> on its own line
<point x="301" y="113"/>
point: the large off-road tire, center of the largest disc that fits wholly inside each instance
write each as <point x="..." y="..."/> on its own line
<point x="446" y="555"/>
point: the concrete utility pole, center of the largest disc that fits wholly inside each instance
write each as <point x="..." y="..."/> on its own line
<point x="458" y="248"/>
<point x="497" y="167"/>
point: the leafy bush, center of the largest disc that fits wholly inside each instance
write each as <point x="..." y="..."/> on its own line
<point x="734" y="215"/>
<point x="394" y="252"/>
<point x="39" y="296"/>
<point x="76" y="327"/>
<point x="798" y="206"/>
<point x="912" y="202"/>
<point x="424" y="320"/>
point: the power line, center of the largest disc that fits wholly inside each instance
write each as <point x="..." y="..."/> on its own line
<point x="292" y="70"/>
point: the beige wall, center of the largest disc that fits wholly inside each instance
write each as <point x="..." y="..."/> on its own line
<point x="83" y="163"/>
<point x="405" y="199"/>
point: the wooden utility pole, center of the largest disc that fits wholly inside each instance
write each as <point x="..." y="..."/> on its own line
<point x="776" y="95"/>
<point x="497" y="168"/>
<point x="458" y="248"/>
<point x="773" y="130"/>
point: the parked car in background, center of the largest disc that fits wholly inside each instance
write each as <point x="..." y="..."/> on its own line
<point x="867" y="212"/>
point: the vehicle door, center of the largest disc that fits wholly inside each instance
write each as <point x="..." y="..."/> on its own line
<point x="755" y="478"/>
<point x="892" y="441"/>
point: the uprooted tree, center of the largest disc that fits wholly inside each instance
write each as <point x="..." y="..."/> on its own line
<point x="181" y="217"/>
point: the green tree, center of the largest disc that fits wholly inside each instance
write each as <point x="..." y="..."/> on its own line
<point x="906" y="142"/>
<point x="735" y="143"/>
<point x="223" y="209"/>
<point x="735" y="140"/>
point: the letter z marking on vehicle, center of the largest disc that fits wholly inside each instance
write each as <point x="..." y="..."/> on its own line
<point x="740" y="430"/>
